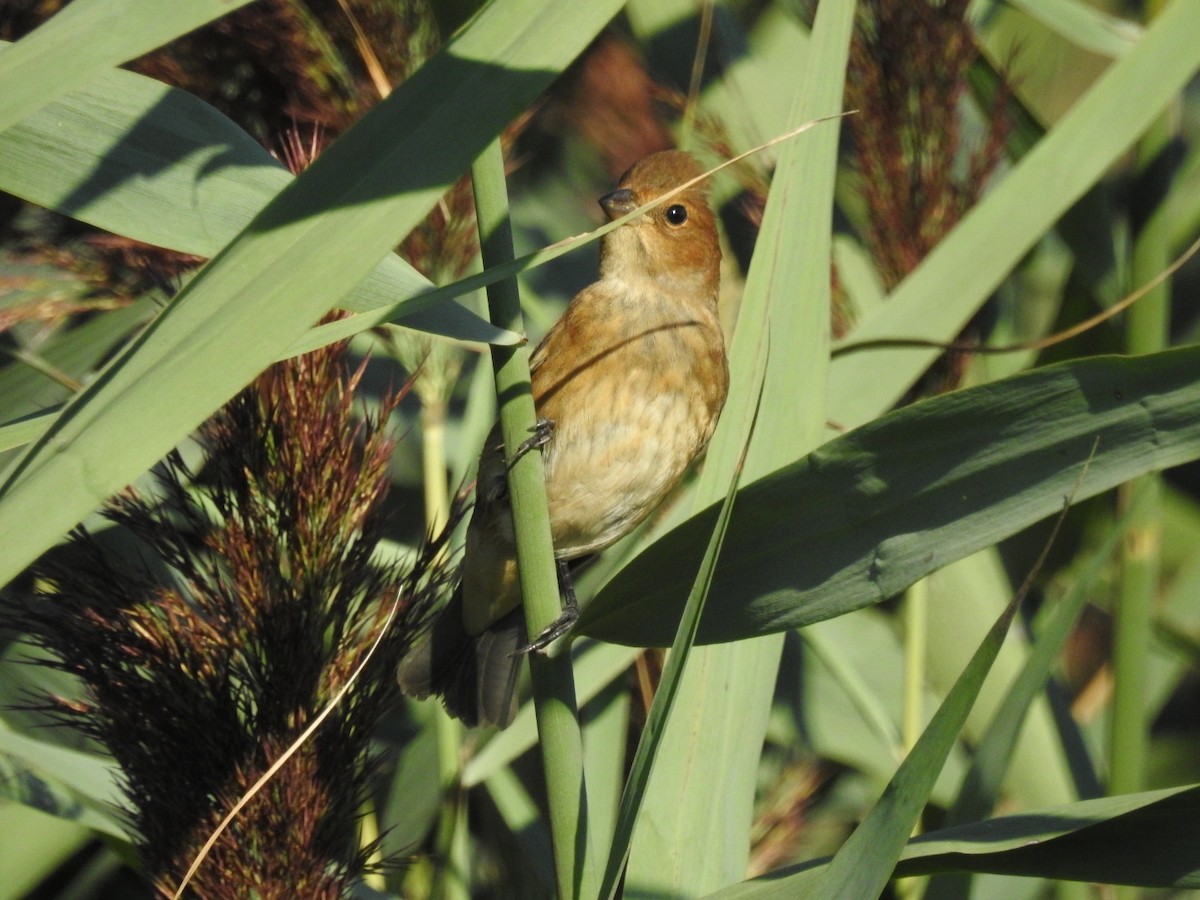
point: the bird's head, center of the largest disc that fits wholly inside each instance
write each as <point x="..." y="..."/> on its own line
<point x="674" y="244"/>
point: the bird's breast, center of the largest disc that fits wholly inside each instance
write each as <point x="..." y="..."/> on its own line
<point x="631" y="414"/>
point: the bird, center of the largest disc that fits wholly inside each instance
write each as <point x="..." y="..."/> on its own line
<point x="628" y="386"/>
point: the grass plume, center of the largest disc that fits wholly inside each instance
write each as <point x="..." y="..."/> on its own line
<point x="255" y="593"/>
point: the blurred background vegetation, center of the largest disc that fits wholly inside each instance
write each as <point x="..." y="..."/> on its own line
<point x="202" y="603"/>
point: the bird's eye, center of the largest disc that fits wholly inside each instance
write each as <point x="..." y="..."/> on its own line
<point x="676" y="214"/>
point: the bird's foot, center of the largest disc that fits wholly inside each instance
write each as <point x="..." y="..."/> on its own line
<point x="542" y="434"/>
<point x="553" y="631"/>
<point x="566" y="619"/>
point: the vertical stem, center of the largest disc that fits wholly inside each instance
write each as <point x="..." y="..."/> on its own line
<point x="1132" y="634"/>
<point x="916" y="632"/>
<point x="553" y="678"/>
<point x="450" y="876"/>
<point x="451" y="870"/>
<point x="433" y="464"/>
<point x="1147" y="331"/>
<point x="368" y="835"/>
<point x="702" y="41"/>
<point x="916" y="649"/>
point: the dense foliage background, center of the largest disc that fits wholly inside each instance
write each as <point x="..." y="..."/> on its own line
<point x="186" y="196"/>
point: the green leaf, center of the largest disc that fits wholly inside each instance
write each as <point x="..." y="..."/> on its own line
<point x="298" y="257"/>
<point x="528" y="826"/>
<point x="981" y="785"/>
<point x="850" y="698"/>
<point x="964" y="598"/>
<point x="138" y="158"/>
<point x="1148" y="839"/>
<point x="65" y="783"/>
<point x="83" y="39"/>
<point x="606" y="734"/>
<point x="141" y="159"/>
<point x="25" y="429"/>
<point x="868" y="514"/>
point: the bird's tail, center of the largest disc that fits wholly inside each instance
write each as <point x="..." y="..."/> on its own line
<point x="475" y="675"/>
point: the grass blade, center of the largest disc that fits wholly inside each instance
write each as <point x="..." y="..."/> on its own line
<point x="138" y="158"/>
<point x="1147" y="839"/>
<point x="69" y="48"/>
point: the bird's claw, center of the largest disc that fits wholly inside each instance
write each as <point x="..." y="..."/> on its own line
<point x="553" y="631"/>
<point x="567" y="618"/>
<point x="542" y="433"/>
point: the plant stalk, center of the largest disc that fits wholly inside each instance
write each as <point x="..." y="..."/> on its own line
<point x="1146" y="332"/>
<point x="553" y="678"/>
<point x="916" y="648"/>
<point x="433" y="464"/>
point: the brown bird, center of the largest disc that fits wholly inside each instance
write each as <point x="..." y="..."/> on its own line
<point x="630" y="382"/>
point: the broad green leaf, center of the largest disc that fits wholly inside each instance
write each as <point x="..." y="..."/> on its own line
<point x="1145" y="839"/>
<point x="982" y="784"/>
<point x="752" y="99"/>
<point x="954" y="280"/>
<point x="606" y="729"/>
<point x="527" y="824"/>
<point x="301" y="255"/>
<point x="413" y="795"/>
<point x="1148" y="839"/>
<point x="689" y="840"/>
<point x="869" y="513"/>
<point x="87" y="37"/>
<point x="141" y="159"/>
<point x="150" y="162"/>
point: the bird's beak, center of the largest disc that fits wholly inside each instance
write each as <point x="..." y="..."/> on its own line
<point x="618" y="203"/>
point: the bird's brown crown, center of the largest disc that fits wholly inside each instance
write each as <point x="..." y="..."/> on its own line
<point x="660" y="172"/>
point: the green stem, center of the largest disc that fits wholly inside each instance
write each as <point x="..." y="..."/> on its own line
<point x="368" y="835"/>
<point x="1147" y="332"/>
<point x="450" y="876"/>
<point x="916" y="649"/>
<point x="553" y="679"/>
<point x="433" y="464"/>
<point x="1132" y="635"/>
